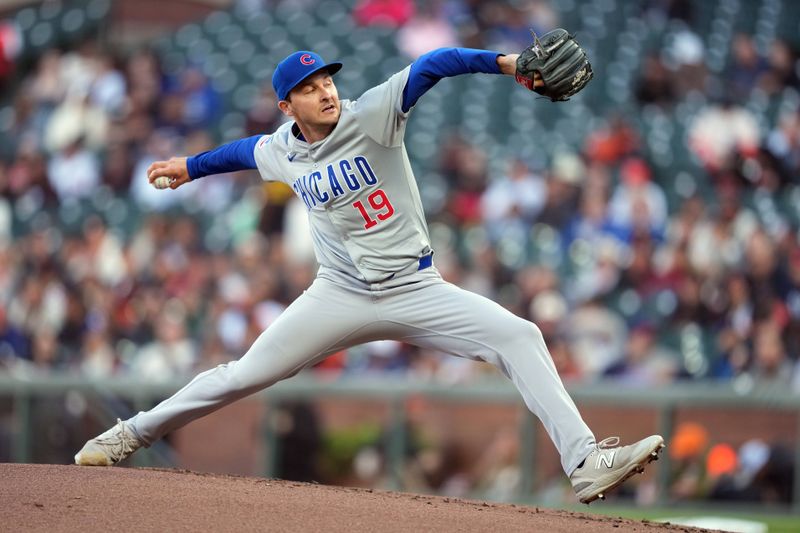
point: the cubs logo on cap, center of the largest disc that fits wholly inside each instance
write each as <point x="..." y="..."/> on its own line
<point x="297" y="67"/>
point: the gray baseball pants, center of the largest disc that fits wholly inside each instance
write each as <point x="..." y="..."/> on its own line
<point x="419" y="309"/>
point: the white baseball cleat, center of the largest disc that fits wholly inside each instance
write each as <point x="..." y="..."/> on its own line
<point x="110" y="447"/>
<point x="609" y="465"/>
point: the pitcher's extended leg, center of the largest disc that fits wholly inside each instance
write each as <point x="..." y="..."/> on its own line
<point x="444" y="317"/>
<point x="323" y="320"/>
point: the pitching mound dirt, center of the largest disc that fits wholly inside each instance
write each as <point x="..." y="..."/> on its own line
<point x="71" y="498"/>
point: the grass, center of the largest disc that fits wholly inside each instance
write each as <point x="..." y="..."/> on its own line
<point x="777" y="522"/>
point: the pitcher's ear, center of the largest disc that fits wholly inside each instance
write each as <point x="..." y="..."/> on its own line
<point x="286" y="107"/>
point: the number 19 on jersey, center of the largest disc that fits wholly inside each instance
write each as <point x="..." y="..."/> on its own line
<point x="381" y="208"/>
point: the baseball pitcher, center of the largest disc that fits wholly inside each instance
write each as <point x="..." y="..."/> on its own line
<point x="347" y="163"/>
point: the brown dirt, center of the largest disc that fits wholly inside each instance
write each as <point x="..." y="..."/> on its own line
<point x="71" y="498"/>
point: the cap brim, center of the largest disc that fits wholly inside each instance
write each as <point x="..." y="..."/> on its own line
<point x="332" y="69"/>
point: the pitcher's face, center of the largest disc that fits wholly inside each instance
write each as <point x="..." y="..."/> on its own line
<point x="314" y="102"/>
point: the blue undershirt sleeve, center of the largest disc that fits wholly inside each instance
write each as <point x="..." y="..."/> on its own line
<point x="236" y="155"/>
<point x="442" y="63"/>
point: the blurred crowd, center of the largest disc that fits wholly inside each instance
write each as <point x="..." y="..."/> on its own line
<point x="102" y="275"/>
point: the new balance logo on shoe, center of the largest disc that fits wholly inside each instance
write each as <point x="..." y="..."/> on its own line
<point x="607" y="459"/>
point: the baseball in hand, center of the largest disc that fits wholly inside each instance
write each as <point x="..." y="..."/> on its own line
<point x="162" y="182"/>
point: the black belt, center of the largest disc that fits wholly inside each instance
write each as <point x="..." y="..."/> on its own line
<point x="425" y="261"/>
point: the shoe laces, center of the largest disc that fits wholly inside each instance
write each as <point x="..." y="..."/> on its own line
<point x="120" y="443"/>
<point x="608" y="442"/>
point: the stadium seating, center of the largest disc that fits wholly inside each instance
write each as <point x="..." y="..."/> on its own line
<point x="59" y="23"/>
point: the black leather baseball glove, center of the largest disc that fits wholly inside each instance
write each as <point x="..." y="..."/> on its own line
<point x="560" y="62"/>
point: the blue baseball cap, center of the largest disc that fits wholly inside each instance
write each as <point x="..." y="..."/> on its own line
<point x="297" y="67"/>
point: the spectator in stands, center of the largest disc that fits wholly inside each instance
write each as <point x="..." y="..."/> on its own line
<point x="739" y="312"/>
<point x="612" y="142"/>
<point x="46" y="87"/>
<point x="638" y="205"/>
<point x="716" y="242"/>
<point x="453" y="151"/>
<point x="771" y="366"/>
<point x="145" y="79"/>
<point x="763" y="276"/>
<point x="264" y="114"/>
<point x="470" y="180"/>
<point x="427" y="30"/>
<point x="686" y="58"/>
<point x="39" y="305"/>
<point x="108" y="88"/>
<point x="541" y="15"/>
<point x="548" y="309"/>
<point x="171" y="355"/>
<point x="591" y="223"/>
<point x="723" y="132"/>
<point x="600" y="275"/>
<point x="693" y="307"/>
<point x="783" y="142"/>
<point x="782" y="71"/>
<point x="70" y="337"/>
<point x="511" y="27"/>
<point x="79" y="68"/>
<point x="10" y="48"/>
<point x="76" y="118"/>
<point x="789" y="289"/>
<point x="645" y="363"/>
<point x="200" y="102"/>
<point x="13" y="341"/>
<point x="103" y="254"/>
<point x="23" y="128"/>
<point x="46" y="356"/>
<point x="117" y="167"/>
<point x="597" y="336"/>
<point x="97" y="357"/>
<point x="74" y="172"/>
<point x="567" y="173"/>
<point x="390" y="13"/>
<point x="484" y="273"/>
<point x="746" y="68"/>
<point x="513" y="200"/>
<point x="641" y="275"/>
<point x="532" y="280"/>
<point x="656" y="84"/>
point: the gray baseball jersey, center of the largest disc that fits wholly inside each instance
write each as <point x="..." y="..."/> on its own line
<point x="369" y="234"/>
<point x="364" y="207"/>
